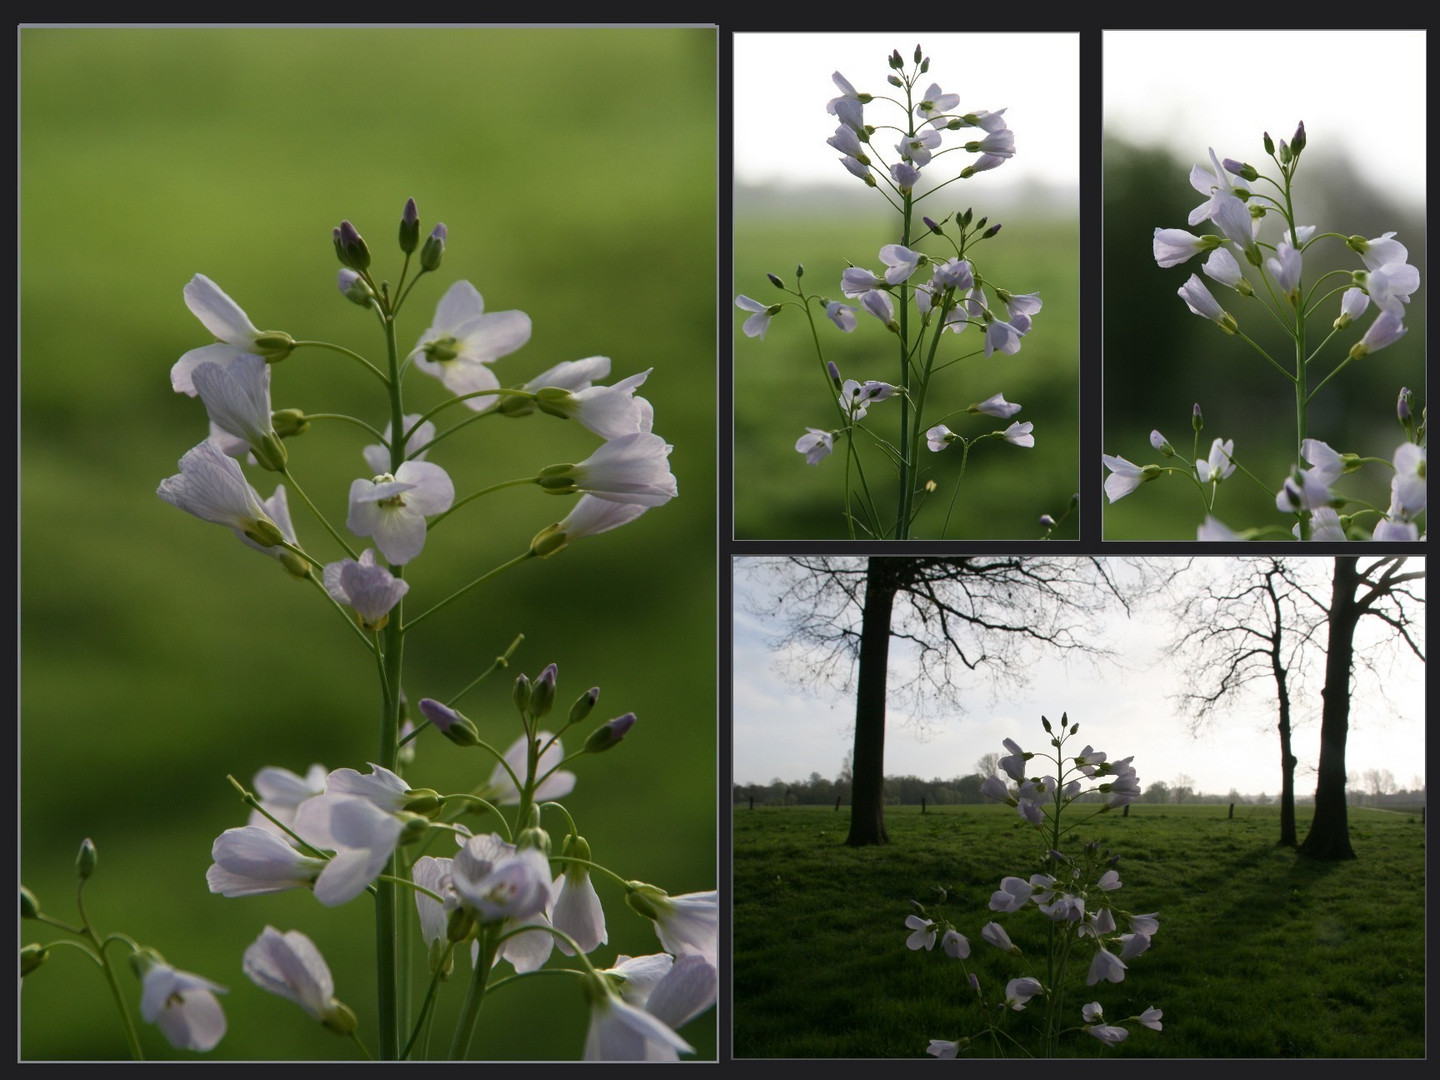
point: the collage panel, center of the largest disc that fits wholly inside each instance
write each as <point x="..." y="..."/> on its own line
<point x="1264" y="307"/>
<point x="367" y="559"/>
<point x="1034" y="806"/>
<point x="907" y="282"/>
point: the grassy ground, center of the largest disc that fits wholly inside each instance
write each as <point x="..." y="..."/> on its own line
<point x="1259" y="953"/>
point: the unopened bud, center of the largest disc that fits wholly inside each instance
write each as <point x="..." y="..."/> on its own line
<point x="933" y="226"/>
<point x="521" y="693"/>
<point x="799" y="271"/>
<point x="31" y="957"/>
<point x="1269" y="144"/>
<point x="609" y="733"/>
<point x="542" y="692"/>
<point x="356" y="288"/>
<point x="86" y="858"/>
<point x="1197" y="420"/>
<point x="409" y="227"/>
<point x="339" y="1018"/>
<point x="456" y="727"/>
<point x="990" y="231"/>
<point x="775" y="280"/>
<point x="1297" y="141"/>
<point x="459" y="924"/>
<point x="434" y="249"/>
<point x="29" y="906"/>
<point x="644" y="899"/>
<point x="583" y="704"/>
<point x="350" y="246"/>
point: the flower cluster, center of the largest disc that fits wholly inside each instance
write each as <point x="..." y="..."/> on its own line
<point x="1075" y="894"/>
<point x="507" y="894"/>
<point x="1237" y="201"/>
<point x="925" y="298"/>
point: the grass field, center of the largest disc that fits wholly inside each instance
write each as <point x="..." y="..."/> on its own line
<point x="1259" y="953"/>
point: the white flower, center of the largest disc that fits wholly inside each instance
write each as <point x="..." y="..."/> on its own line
<point x="686" y="990"/>
<point x="232" y="328"/>
<point x="576" y="909"/>
<point x="501" y="790"/>
<point x="499" y="881"/>
<point x="942" y="1048"/>
<point x="840" y="315"/>
<point x="237" y="397"/>
<point x="996" y="405"/>
<point x="1175" y="246"/>
<point x="935" y="103"/>
<point x="463" y="340"/>
<point x="366" y="586"/>
<point x="1125" y="477"/>
<point x="1107" y="1033"/>
<point x="955" y="945"/>
<point x="686" y="923"/>
<point x="759" y="321"/>
<point x="621" y="1032"/>
<point x="1151" y="1018"/>
<point x="901" y="261"/>
<point x="282" y="791"/>
<point x="277" y="508"/>
<point x="1390" y="286"/>
<point x="880" y="305"/>
<point x="381" y="787"/>
<point x="847" y="108"/>
<point x="291" y="966"/>
<point x="629" y="469"/>
<point x="1001" y="336"/>
<point x="939" y="437"/>
<point x="815" y="444"/>
<point x="377" y="455"/>
<point x="1285" y="268"/>
<point x="608" y="411"/>
<point x="252" y="860"/>
<point x="1198" y="299"/>
<point x="1325" y="525"/>
<point x="1012" y="894"/>
<point x="1222" y="267"/>
<point x="211" y="486"/>
<point x="183" y="1006"/>
<point x="1019" y="433"/>
<point x="1106" y="965"/>
<point x="589" y="516"/>
<point x="857" y="281"/>
<point x="919" y="148"/>
<point x="1219" y="466"/>
<point x="995" y="934"/>
<point x="1019" y="991"/>
<point x="1212" y="185"/>
<point x="362" y="836"/>
<point x="393" y="509"/>
<point x="434" y="874"/>
<point x="1214" y="529"/>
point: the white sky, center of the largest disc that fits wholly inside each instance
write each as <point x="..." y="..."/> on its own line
<point x="782" y="83"/>
<point x="1360" y="92"/>
<point x="786" y="731"/>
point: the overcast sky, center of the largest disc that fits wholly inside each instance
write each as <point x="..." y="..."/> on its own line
<point x="1359" y="92"/>
<point x="787" y="731"/>
<point x="783" y="82"/>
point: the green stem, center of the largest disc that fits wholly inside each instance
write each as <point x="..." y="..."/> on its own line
<point x="475" y="995"/>
<point x="460" y="592"/>
<point x="132" y="1037"/>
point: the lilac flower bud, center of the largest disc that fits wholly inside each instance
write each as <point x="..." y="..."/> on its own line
<point x="456" y="727"/>
<point x="542" y="692"/>
<point x="521" y="693"/>
<point x="774" y="280"/>
<point x="918" y="54"/>
<point x="583" y="704"/>
<point x="409" y="227"/>
<point x="1197" y="421"/>
<point x="434" y="249"/>
<point x="1402" y="405"/>
<point x="1269" y="145"/>
<point x="834" y="371"/>
<point x="1297" y="141"/>
<point x="988" y="233"/>
<point x="895" y="61"/>
<point x="610" y="733"/>
<point x="1159" y="442"/>
<point x="355" y="287"/>
<point x="350" y="246"/>
<point x="933" y="226"/>
<point x="1046" y="521"/>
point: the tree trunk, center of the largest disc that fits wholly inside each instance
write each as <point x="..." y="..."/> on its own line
<point x="1329" y="835"/>
<point x="867" y="804"/>
<point x="1287" y="759"/>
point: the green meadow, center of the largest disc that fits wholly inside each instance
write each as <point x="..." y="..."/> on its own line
<point x="575" y="170"/>
<point x="1259" y="953"/>
<point x="781" y="387"/>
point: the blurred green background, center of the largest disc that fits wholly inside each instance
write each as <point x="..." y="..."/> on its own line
<point x="1160" y="359"/>
<point x="780" y="386"/>
<point x="575" y="170"/>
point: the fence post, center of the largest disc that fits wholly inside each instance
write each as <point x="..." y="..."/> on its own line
<point x="1232" y="811"/>
<point x="1126" y="811"/>
<point x="752" y="802"/>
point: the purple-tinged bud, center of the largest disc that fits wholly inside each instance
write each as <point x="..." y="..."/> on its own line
<point x="918" y="54"/>
<point x="974" y="985"/>
<point x="1402" y="407"/>
<point x="542" y="692"/>
<point x="895" y="61"/>
<point x="1046" y="521"/>
<point x="1197" y="420"/>
<point x="965" y="217"/>
<point x="991" y="231"/>
<point x="1240" y="168"/>
<point x="355" y="287"/>
<point x="834" y="373"/>
<point x="1297" y="141"/>
<point x="521" y="693"/>
<point x="580" y="711"/>
<point x="1269" y="144"/>
<point x="409" y="227"/>
<point x="609" y="733"/>
<point x="434" y="248"/>
<point x="350" y="246"/>
<point x="456" y="727"/>
<point x="774" y="280"/>
<point x="1159" y="442"/>
<point x="894" y="80"/>
<point x="933" y="226"/>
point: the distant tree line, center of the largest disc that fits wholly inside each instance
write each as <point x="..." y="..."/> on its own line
<point x="960" y="790"/>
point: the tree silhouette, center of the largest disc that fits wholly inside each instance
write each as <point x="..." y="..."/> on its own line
<point x="953" y="616"/>
<point x="1381" y="589"/>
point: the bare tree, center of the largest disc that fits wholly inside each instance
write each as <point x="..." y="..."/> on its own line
<point x="1379" y="782"/>
<point x="1250" y="624"/>
<point x="1385" y="591"/>
<point x="952" y="617"/>
<point x="1182" y="788"/>
<point x="987" y="765"/>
